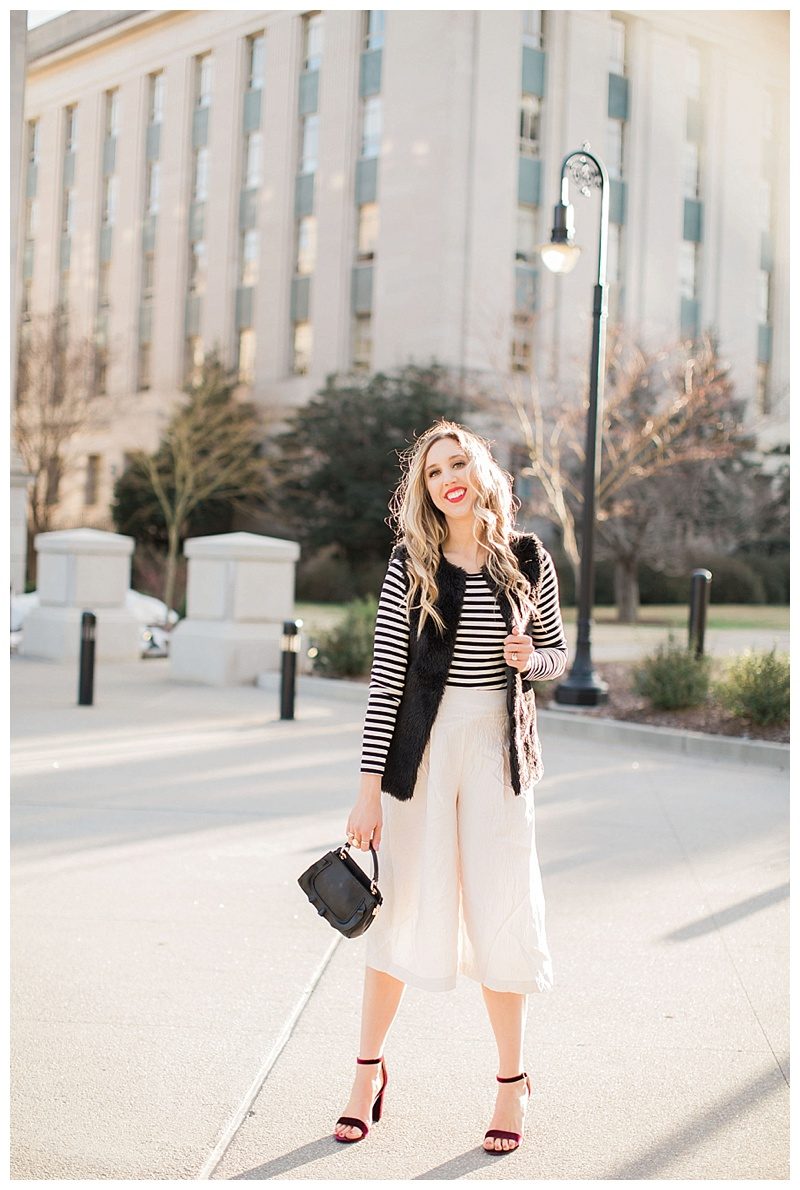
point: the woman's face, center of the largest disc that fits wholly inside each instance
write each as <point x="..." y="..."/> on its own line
<point x="445" y="478"/>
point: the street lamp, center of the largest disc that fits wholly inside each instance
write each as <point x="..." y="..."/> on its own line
<point x="584" y="687"/>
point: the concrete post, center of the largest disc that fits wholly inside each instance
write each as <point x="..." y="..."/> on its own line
<point x="240" y="589"/>
<point x="82" y="570"/>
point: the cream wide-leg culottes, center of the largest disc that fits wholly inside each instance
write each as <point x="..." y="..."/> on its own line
<point x="459" y="873"/>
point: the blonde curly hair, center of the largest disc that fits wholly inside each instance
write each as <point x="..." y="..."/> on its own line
<point x="422" y="528"/>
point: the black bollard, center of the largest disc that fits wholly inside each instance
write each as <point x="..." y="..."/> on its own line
<point x="86" y="665"/>
<point x="290" y="647"/>
<point x="698" y="605"/>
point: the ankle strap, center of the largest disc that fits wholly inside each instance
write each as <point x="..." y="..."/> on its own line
<point x="368" y="1061"/>
<point x="515" y="1079"/>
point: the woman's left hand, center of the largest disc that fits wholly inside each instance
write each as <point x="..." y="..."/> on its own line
<point x="518" y="650"/>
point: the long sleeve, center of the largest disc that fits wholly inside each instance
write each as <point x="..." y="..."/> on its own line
<point x="387" y="678"/>
<point x="550" y="652"/>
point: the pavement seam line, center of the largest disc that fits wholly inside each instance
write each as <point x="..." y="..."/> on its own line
<point x="240" y="1115"/>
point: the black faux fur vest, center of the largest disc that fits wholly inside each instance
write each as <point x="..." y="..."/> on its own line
<point x="426" y="676"/>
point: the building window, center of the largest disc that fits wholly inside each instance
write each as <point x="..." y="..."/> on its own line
<point x="203" y="80"/>
<point x="148" y="274"/>
<point x="100" y="365"/>
<point x="155" y="102"/>
<point x="312" y="41"/>
<point x="617" y="57"/>
<point x="252" y="160"/>
<point x="112" y="113"/>
<point x="306" y="245"/>
<point x="301" y="348"/>
<point x="27" y="292"/>
<point x="375" y="24"/>
<point x="143" y="367"/>
<point x="31" y="218"/>
<point x="688" y="269"/>
<point x="762" y="388"/>
<point x="68" y="213"/>
<point x="33" y="142"/>
<point x="614" y="271"/>
<point x="194" y="359"/>
<point x="104" y="284"/>
<point x="362" y="342"/>
<point x="197" y="267"/>
<point x="530" y="125"/>
<point x="70" y="129"/>
<point x="764" y="293"/>
<point x="615" y="148"/>
<point x="53" y="481"/>
<point x="691" y="169"/>
<point x="255" y="61"/>
<point x="526" y="233"/>
<point x="309" y="144"/>
<point x="533" y="28"/>
<point x="200" y="176"/>
<point x="247" y="355"/>
<point x="250" y="257"/>
<point x="110" y="188"/>
<point x="368" y="223"/>
<point x="521" y="345"/>
<point x="152" y="185"/>
<point x="371" y="127"/>
<point x="92" y="479"/>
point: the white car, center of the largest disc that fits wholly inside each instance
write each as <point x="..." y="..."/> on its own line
<point x="148" y="611"/>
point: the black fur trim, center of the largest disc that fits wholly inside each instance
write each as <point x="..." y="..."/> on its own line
<point x="429" y="661"/>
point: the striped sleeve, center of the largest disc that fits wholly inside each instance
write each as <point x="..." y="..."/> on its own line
<point x="390" y="658"/>
<point x="549" y="659"/>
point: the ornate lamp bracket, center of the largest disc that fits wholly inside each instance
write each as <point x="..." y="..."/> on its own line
<point x="585" y="171"/>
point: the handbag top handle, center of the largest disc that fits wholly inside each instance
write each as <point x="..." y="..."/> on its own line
<point x="374" y="859"/>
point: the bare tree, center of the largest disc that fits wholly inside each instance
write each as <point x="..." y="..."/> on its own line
<point x="53" y="405"/>
<point x="211" y="450"/>
<point x="670" y="423"/>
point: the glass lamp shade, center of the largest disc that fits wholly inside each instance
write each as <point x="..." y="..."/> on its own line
<point x="559" y="258"/>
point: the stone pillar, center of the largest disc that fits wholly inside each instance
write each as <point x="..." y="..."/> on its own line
<point x="240" y="589"/>
<point x="82" y="570"/>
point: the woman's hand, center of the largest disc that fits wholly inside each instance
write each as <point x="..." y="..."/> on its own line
<point x="518" y="650"/>
<point x="366" y="817"/>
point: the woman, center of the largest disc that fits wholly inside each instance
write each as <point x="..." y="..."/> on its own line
<point x="468" y="617"/>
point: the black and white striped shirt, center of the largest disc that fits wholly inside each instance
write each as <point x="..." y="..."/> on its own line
<point x="477" y="657"/>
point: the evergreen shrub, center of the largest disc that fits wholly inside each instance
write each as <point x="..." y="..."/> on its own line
<point x="756" y="686"/>
<point x="345" y="651"/>
<point x="673" y="677"/>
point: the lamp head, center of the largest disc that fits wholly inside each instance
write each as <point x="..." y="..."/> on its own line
<point x="561" y="254"/>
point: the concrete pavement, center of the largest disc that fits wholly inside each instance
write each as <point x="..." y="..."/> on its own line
<point x="180" y="1011"/>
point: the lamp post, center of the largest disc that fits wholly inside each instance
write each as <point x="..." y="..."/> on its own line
<point x="584" y="687"/>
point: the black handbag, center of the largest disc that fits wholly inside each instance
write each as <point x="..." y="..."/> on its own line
<point x="341" y="892"/>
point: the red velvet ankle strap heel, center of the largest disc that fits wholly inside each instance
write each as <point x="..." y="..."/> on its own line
<point x="500" y="1133"/>
<point x="377" y="1106"/>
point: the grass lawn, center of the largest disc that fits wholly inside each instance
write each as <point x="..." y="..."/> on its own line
<point x="317" y="617"/>
<point x="721" y="615"/>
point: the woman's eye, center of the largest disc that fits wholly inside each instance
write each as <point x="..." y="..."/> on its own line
<point x="459" y="463"/>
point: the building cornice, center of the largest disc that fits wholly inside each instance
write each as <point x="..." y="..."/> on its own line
<point x="80" y="32"/>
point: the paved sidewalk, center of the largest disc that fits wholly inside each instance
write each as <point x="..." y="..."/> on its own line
<point x="179" y="1010"/>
